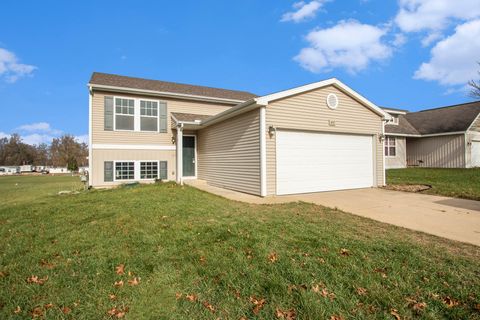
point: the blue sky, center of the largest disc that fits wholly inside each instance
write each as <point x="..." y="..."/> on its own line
<point x="412" y="54"/>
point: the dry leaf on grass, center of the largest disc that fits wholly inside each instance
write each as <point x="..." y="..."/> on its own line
<point x="118" y="283"/>
<point x="37" y="280"/>
<point x="335" y="317"/>
<point x="44" y="263"/>
<point x="394" y="313"/>
<point x="17" y="310"/>
<point x="120" y="269"/>
<point x="258" y="304"/>
<point x="203" y="260"/>
<point x="286" y="314"/>
<point x="361" y="291"/>
<point x="37" y="312"/>
<point x="48" y="306"/>
<point x="450" y="302"/>
<point x="344" y="252"/>
<point x="112" y="296"/>
<point x="117" y="313"/>
<point x="209" y="307"/>
<point x="272" y="257"/>
<point x="134" y="282"/>
<point x="191" y="297"/>
<point x="66" y="310"/>
<point x="383" y="272"/>
<point x="178" y="295"/>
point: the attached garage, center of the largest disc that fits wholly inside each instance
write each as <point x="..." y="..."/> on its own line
<point x="314" y="162"/>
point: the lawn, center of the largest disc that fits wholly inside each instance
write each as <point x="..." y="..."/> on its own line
<point x="169" y="252"/>
<point x="459" y="183"/>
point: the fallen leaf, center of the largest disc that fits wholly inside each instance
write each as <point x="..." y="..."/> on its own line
<point x="335" y="317"/>
<point x="48" y="306"/>
<point x="191" y="297"/>
<point x="383" y="272"/>
<point x="316" y="288"/>
<point x="272" y="257"/>
<point x="419" y="306"/>
<point x="3" y="274"/>
<point x="17" y="310"/>
<point x="258" y="304"/>
<point x="286" y="314"/>
<point x="112" y="296"/>
<point x="37" y="312"/>
<point x="37" y="280"/>
<point x="44" y="263"/>
<point x="361" y="291"/>
<point x="118" y="313"/>
<point x="118" y="283"/>
<point x="66" y="310"/>
<point x="134" y="282"/>
<point x="203" y="260"/>
<point x="450" y="302"/>
<point x="112" y="311"/>
<point x="236" y="293"/>
<point x="209" y="306"/>
<point x="120" y="269"/>
<point x="394" y="313"/>
<point x="344" y="252"/>
<point x="321" y="260"/>
<point x="178" y="295"/>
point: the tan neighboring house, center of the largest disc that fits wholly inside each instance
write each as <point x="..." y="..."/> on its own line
<point x="446" y="137"/>
<point x="318" y="137"/>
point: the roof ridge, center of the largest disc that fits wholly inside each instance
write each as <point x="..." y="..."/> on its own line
<point x="170" y="82"/>
<point x="446" y="107"/>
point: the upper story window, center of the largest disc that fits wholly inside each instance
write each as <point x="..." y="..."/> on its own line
<point x="394" y="119"/>
<point x="124" y="114"/>
<point x="390" y="146"/>
<point x="148" y="115"/>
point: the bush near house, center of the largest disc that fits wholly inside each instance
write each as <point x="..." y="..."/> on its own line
<point x="168" y="252"/>
<point x="459" y="183"/>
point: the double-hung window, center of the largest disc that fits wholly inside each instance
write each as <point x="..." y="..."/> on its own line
<point x="124" y="170"/>
<point x="149" y="170"/>
<point x="148" y="115"/>
<point x="390" y="146"/>
<point x="124" y="114"/>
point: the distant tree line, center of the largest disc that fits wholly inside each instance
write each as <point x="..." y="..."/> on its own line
<point x="62" y="152"/>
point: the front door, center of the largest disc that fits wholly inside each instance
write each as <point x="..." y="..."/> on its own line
<point x="189" y="156"/>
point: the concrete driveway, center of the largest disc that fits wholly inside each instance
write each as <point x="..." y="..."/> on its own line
<point x="451" y="218"/>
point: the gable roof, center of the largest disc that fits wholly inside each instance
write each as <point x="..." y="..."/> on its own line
<point x="317" y="85"/>
<point x="456" y="118"/>
<point x="116" y="81"/>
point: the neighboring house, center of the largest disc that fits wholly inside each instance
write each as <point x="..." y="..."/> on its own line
<point x="26" y="168"/>
<point x="318" y="137"/>
<point x="447" y="137"/>
<point x="7" y="170"/>
<point x="58" y="170"/>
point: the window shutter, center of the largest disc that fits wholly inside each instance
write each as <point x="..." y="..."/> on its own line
<point x="108" y="114"/>
<point x="163" y="174"/>
<point x="108" y="171"/>
<point x="163" y="117"/>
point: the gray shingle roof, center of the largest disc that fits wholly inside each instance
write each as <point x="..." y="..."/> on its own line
<point x="439" y="120"/>
<point x="189" y="116"/>
<point x="163" y="86"/>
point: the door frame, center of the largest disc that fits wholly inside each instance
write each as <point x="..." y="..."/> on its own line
<point x="196" y="157"/>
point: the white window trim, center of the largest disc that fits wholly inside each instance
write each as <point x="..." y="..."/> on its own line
<point x="393" y="121"/>
<point x="136" y="114"/>
<point x="196" y="159"/>
<point x="137" y="170"/>
<point x="389" y="146"/>
<point x="140" y="169"/>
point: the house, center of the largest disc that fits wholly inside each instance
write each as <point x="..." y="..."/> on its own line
<point x="9" y="170"/>
<point x="58" y="170"/>
<point x="446" y="137"/>
<point x="317" y="137"/>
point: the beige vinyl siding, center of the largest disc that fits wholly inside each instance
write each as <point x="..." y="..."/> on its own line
<point x="475" y="125"/>
<point x="308" y="111"/>
<point x="437" y="152"/>
<point x="101" y="155"/>
<point x="229" y="153"/>
<point x="100" y="136"/>
<point x="400" y="158"/>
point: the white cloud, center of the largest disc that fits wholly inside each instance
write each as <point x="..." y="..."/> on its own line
<point x="399" y="40"/>
<point x="4" y="135"/>
<point x="39" y="127"/>
<point x="454" y="59"/>
<point x="82" y="138"/>
<point x="10" y="69"/>
<point x="349" y="44"/>
<point x="304" y="11"/>
<point x="434" y="16"/>
<point x="37" y="138"/>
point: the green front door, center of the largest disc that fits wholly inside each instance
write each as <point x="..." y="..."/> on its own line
<point x="188" y="156"/>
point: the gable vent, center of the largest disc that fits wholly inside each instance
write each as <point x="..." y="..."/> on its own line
<point x="332" y="101"/>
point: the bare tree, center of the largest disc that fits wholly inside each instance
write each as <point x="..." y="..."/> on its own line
<point x="475" y="91"/>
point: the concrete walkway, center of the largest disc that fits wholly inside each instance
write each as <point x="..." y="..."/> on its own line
<point x="455" y="219"/>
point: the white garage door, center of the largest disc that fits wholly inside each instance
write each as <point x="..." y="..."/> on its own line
<point x="313" y="162"/>
<point x="475" y="153"/>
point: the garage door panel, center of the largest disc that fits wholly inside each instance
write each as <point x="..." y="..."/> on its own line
<point x="313" y="162"/>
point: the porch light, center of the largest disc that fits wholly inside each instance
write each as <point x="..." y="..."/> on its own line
<point x="381" y="137"/>
<point x="173" y="140"/>
<point x="271" y="131"/>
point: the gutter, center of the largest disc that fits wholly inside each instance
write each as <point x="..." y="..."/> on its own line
<point x="424" y="135"/>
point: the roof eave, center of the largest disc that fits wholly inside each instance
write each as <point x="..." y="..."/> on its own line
<point x="162" y="94"/>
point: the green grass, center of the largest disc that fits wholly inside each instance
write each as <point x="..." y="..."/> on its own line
<point x="459" y="183"/>
<point x="181" y="240"/>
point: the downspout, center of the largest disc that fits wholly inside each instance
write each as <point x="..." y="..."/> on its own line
<point x="383" y="153"/>
<point x="179" y="155"/>
<point x="263" y="153"/>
